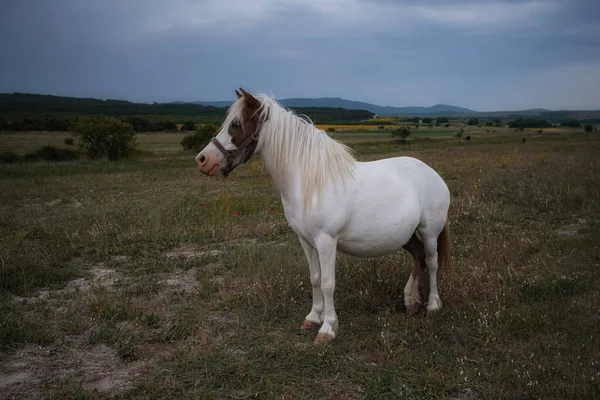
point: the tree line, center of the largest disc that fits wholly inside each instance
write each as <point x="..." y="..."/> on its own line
<point x="31" y="112"/>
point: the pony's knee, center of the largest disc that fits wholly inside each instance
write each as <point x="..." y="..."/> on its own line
<point x="315" y="279"/>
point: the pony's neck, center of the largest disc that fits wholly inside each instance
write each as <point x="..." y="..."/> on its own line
<point x="301" y="159"/>
<point x="286" y="176"/>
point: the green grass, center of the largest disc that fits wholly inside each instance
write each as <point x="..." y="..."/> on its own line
<point x="131" y="287"/>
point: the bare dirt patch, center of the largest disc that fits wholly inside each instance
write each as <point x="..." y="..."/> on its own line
<point x="574" y="228"/>
<point x="99" y="276"/>
<point x="32" y="371"/>
<point x="196" y="251"/>
<point x="191" y="251"/>
<point x="181" y="281"/>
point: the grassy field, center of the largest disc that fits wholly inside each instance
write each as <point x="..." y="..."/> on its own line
<point x="144" y="279"/>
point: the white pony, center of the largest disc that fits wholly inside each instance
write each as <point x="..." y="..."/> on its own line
<point x="334" y="202"/>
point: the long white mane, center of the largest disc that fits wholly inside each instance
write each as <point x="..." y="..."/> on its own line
<point x="296" y="146"/>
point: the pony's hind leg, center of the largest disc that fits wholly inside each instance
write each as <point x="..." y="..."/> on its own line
<point x="431" y="258"/>
<point x="412" y="294"/>
<point x="315" y="317"/>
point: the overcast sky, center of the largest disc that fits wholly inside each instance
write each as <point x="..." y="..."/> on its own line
<point x="481" y="54"/>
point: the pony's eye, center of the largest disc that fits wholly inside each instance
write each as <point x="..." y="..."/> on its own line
<point x="236" y="125"/>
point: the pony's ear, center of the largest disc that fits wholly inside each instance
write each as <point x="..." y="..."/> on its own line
<point x="239" y="96"/>
<point x="250" y="100"/>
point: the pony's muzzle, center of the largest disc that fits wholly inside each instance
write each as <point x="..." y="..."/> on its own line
<point x="208" y="164"/>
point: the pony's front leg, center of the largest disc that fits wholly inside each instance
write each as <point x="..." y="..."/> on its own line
<point x="327" y="248"/>
<point x="315" y="316"/>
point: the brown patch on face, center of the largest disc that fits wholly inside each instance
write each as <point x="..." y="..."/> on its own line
<point x="241" y="130"/>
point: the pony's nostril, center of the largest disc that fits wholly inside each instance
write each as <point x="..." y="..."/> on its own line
<point x="202" y="159"/>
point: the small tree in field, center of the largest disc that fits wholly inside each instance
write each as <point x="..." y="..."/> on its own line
<point x="588" y="127"/>
<point x="402" y="133"/>
<point x="200" y="138"/>
<point x="104" y="137"/>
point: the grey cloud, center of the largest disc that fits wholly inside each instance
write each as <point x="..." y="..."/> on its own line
<point x="387" y="52"/>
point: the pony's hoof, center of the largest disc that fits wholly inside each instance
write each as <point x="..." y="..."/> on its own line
<point x="434" y="305"/>
<point x="413" y="308"/>
<point x="323" y="338"/>
<point x="308" y="325"/>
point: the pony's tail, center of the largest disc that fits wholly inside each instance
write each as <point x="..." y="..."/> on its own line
<point x="444" y="248"/>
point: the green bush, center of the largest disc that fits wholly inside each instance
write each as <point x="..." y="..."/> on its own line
<point x="69" y="141"/>
<point x="588" y="127"/>
<point x="403" y="133"/>
<point x="104" y="137"/>
<point x="200" y="138"/>
<point x="188" y="126"/>
<point x="572" y="123"/>
<point x="8" y="157"/>
<point x="140" y="124"/>
<point x="529" y="123"/>
<point x="51" y="153"/>
<point x="165" y="126"/>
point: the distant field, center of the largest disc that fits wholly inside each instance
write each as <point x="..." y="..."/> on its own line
<point x="144" y="279"/>
<point x="165" y="142"/>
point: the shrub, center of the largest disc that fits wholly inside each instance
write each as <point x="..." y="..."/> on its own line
<point x="332" y="129"/>
<point x="572" y="123"/>
<point x="69" y="141"/>
<point x="588" y="127"/>
<point x="529" y="123"/>
<point x="459" y="133"/>
<point x="403" y="133"/>
<point x="140" y="124"/>
<point x="200" y="138"/>
<point x="8" y="157"/>
<point x="51" y="153"/>
<point x="473" y="121"/>
<point x="165" y="126"/>
<point x="188" y="126"/>
<point x="104" y="137"/>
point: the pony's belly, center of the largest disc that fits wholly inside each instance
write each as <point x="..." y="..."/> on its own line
<point x="365" y="250"/>
<point x="376" y="245"/>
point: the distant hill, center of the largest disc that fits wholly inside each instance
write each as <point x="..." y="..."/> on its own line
<point x="325" y="110"/>
<point x="336" y="102"/>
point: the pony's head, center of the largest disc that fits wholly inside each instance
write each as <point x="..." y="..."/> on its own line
<point x="237" y="139"/>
